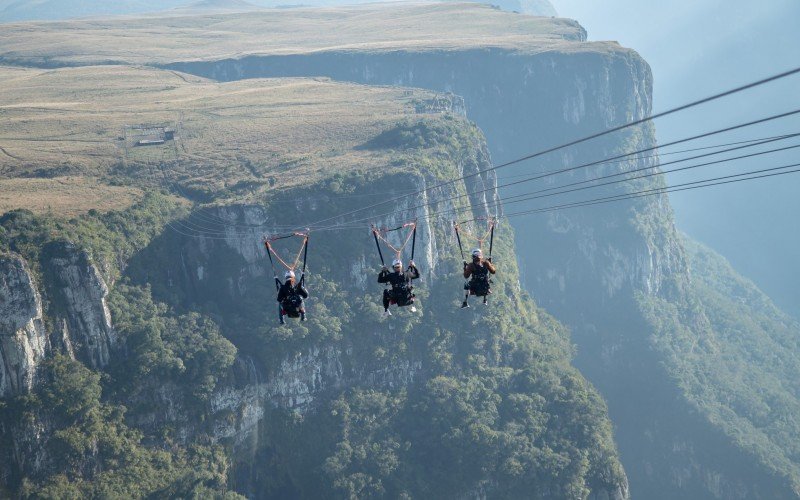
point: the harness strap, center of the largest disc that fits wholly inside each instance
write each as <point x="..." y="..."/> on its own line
<point x="397" y="250"/>
<point x="272" y="263"/>
<point x="377" y="244"/>
<point x="305" y="259"/>
<point x="414" y="241"/>
<point x="458" y="238"/>
<point x="491" y="239"/>
<point x="293" y="266"/>
<point x="489" y="234"/>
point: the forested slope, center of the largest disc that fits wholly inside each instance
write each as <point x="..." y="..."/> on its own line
<point x="617" y="275"/>
<point x="144" y="357"/>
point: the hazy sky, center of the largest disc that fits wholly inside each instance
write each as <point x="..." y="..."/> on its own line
<point x="697" y="48"/>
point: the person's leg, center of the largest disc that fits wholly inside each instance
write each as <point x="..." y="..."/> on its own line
<point x="466" y="296"/>
<point x="386" y="299"/>
<point x="302" y="314"/>
<point x="280" y="315"/>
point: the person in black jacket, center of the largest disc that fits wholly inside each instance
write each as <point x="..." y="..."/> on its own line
<point x="290" y="298"/>
<point x="401" y="292"/>
<point x="477" y="272"/>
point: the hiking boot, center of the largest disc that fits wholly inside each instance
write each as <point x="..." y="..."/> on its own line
<point x="302" y="316"/>
<point x="387" y="313"/>
<point x="464" y="304"/>
<point x="283" y="321"/>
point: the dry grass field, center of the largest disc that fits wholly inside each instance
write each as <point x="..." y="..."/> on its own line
<point x="232" y="138"/>
<point x="253" y="133"/>
<point x="64" y="196"/>
<point x="164" y="38"/>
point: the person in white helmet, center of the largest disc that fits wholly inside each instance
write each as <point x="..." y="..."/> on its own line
<point x="477" y="272"/>
<point x="290" y="298"/>
<point x="401" y="292"/>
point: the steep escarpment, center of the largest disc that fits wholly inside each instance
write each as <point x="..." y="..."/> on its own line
<point x="167" y="374"/>
<point x="593" y="268"/>
<point x="736" y="373"/>
<point x="23" y="337"/>
<point x="318" y="386"/>
<point x="57" y="435"/>
<point x="615" y="274"/>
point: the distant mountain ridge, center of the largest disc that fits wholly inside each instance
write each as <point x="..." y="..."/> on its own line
<point x="53" y="10"/>
<point x="237" y="5"/>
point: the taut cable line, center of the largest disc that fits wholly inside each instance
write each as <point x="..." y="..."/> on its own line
<point x="618" y="128"/>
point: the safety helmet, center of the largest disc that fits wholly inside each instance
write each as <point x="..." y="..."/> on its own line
<point x="397" y="263"/>
<point x="477" y="253"/>
<point x="289" y="274"/>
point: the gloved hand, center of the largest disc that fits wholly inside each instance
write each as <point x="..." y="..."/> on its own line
<point x="384" y="268"/>
<point x="465" y="264"/>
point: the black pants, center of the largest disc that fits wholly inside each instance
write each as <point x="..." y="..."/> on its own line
<point x="400" y="297"/>
<point x="478" y="288"/>
<point x="292" y="310"/>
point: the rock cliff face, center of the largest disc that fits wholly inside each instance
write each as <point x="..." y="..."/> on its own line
<point x="23" y="341"/>
<point x="298" y="397"/>
<point x="527" y="102"/>
<point x="227" y="276"/>
<point x="589" y="267"/>
<point x="78" y="294"/>
<point x="71" y="319"/>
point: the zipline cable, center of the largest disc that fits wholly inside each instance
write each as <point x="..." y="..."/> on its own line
<point x="526" y="196"/>
<point x="599" y="162"/>
<point x="715" y="181"/>
<point x="456" y="211"/>
<point x="581" y="140"/>
<point x="665" y="153"/>
<point x="717" y="96"/>
<point x="559" y="190"/>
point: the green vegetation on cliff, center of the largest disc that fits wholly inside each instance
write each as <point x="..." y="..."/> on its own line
<point x="441" y="403"/>
<point x="97" y="455"/>
<point x="495" y="407"/>
<point x="89" y="450"/>
<point x="732" y="354"/>
<point x="204" y="392"/>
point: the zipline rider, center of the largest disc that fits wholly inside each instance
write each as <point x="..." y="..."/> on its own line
<point x="402" y="282"/>
<point x="291" y="293"/>
<point x="477" y="272"/>
<point x="291" y="296"/>
<point x="402" y="290"/>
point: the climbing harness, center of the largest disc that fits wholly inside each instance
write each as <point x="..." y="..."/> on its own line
<point x="381" y="235"/>
<point x="491" y="223"/>
<point x="302" y="254"/>
<point x="480" y="283"/>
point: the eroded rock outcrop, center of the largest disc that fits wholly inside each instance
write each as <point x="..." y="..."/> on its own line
<point x="23" y="340"/>
<point x="78" y="293"/>
<point x="591" y="267"/>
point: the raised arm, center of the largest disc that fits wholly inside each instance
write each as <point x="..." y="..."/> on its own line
<point x="383" y="276"/>
<point x="489" y="266"/>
